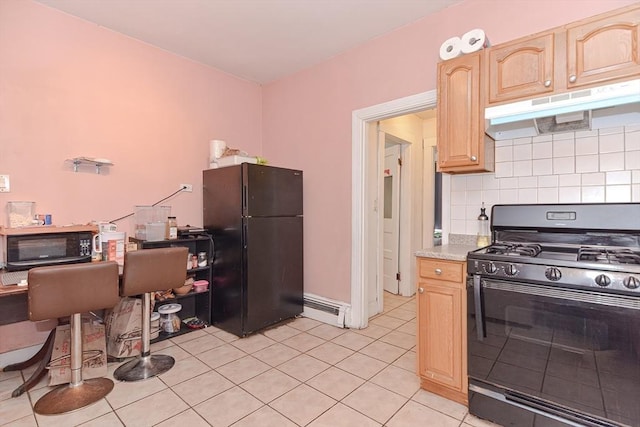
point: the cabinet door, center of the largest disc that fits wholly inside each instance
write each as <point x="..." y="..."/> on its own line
<point x="521" y="69"/>
<point x="460" y="112"/>
<point x="603" y="49"/>
<point x="440" y="333"/>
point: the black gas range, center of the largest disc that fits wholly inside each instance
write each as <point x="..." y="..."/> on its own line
<point x="554" y="316"/>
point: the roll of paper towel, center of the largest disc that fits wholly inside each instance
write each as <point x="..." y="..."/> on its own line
<point x="451" y="48"/>
<point x="216" y="148"/>
<point x="473" y="41"/>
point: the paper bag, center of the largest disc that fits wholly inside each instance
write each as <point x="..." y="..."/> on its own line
<point x="123" y="328"/>
<point x="93" y="352"/>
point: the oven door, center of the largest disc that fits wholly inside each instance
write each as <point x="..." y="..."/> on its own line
<point x="552" y="353"/>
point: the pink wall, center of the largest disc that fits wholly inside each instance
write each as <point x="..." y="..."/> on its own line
<point x="71" y="88"/>
<point x="307" y="116"/>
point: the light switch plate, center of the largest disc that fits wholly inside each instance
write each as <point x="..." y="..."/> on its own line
<point x="4" y="184"/>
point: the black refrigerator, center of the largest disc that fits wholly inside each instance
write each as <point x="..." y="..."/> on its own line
<point x="254" y="213"/>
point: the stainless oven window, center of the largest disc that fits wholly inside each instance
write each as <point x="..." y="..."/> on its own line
<point x="577" y="349"/>
<point x="33" y="249"/>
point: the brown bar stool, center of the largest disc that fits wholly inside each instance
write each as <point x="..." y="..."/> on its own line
<point x="146" y="271"/>
<point x="70" y="290"/>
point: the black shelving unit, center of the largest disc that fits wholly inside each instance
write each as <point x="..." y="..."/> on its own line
<point x="194" y="304"/>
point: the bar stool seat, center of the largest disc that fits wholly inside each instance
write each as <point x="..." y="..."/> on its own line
<point x="70" y="290"/>
<point x="146" y="271"/>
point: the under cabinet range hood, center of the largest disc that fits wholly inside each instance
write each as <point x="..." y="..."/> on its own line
<point x="617" y="104"/>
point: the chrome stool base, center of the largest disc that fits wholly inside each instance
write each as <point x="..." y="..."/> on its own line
<point x="144" y="367"/>
<point x="67" y="398"/>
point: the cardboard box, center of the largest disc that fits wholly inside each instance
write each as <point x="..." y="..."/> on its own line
<point x="124" y="328"/>
<point x="94" y="353"/>
<point x="232" y="160"/>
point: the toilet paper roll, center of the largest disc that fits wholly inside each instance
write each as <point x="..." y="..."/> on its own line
<point x="216" y="148"/>
<point x="451" y="48"/>
<point x="473" y="41"/>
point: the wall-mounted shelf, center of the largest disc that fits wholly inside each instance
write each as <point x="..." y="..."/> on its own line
<point x="98" y="163"/>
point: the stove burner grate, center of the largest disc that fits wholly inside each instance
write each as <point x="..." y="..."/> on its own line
<point x="608" y="256"/>
<point x="530" y="250"/>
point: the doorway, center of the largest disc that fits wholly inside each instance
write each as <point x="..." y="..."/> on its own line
<point x="392" y="195"/>
<point x="397" y="191"/>
<point x="367" y="221"/>
<point x="393" y="213"/>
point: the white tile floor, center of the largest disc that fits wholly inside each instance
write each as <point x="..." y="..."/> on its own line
<point x="300" y="373"/>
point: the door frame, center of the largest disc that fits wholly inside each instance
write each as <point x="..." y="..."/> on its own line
<point x="365" y="226"/>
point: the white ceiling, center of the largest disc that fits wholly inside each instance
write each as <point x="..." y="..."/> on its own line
<point x="258" y="40"/>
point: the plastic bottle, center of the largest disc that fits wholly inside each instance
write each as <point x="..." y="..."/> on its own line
<point x="172" y="228"/>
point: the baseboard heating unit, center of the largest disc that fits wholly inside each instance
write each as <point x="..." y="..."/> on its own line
<point x="325" y="310"/>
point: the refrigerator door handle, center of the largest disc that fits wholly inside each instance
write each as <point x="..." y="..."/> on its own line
<point x="245" y="234"/>
<point x="245" y="191"/>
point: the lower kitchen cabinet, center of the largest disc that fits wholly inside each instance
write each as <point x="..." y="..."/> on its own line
<point x="442" y="329"/>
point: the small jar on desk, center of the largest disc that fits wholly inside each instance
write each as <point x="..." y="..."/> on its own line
<point x="172" y="228"/>
<point x="202" y="259"/>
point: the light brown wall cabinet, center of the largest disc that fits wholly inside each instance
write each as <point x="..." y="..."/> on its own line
<point x="592" y="51"/>
<point x="521" y="68"/>
<point x="604" y="48"/>
<point x="442" y="331"/>
<point x="462" y="143"/>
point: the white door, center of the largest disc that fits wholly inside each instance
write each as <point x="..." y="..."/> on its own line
<point x="391" y="218"/>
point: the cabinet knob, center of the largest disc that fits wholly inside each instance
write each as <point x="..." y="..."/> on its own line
<point x="572" y="78"/>
<point x="547" y="83"/>
<point x="473" y="158"/>
<point x="421" y="290"/>
<point x="438" y="271"/>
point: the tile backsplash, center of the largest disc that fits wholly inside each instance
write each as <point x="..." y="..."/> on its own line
<point x="578" y="167"/>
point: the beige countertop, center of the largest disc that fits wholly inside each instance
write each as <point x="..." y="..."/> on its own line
<point x="449" y="252"/>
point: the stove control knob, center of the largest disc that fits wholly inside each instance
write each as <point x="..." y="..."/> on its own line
<point x="490" y="268"/>
<point x="603" y="280"/>
<point x="553" y="274"/>
<point x="511" y="270"/>
<point x="631" y="282"/>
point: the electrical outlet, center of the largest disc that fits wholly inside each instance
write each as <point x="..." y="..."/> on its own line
<point x="4" y="184"/>
<point x="186" y="187"/>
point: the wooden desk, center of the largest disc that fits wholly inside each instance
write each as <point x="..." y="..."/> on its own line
<point x="13" y="304"/>
<point x="13" y="299"/>
<point x="46" y="229"/>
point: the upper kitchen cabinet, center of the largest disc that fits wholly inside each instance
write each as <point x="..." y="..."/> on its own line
<point x="603" y="48"/>
<point x="462" y="144"/>
<point x="592" y="51"/>
<point x="521" y="68"/>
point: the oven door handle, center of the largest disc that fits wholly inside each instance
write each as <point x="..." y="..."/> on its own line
<point x="566" y="294"/>
<point x="477" y="300"/>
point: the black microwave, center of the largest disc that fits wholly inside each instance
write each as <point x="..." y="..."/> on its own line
<point x="26" y="251"/>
